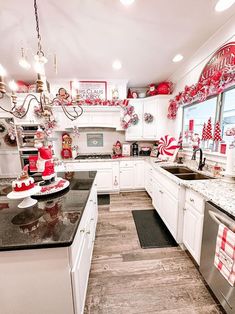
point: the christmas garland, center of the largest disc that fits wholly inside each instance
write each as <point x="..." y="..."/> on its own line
<point x="199" y="92"/>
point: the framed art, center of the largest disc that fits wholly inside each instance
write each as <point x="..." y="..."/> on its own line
<point x="89" y="89"/>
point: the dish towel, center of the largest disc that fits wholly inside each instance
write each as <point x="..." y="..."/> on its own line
<point x="225" y="253"/>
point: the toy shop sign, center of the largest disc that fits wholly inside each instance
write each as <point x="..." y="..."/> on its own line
<point x="217" y="75"/>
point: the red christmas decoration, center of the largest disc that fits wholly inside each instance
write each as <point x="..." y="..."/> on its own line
<point x="204" y="132"/>
<point x="217" y="132"/>
<point x="209" y="130"/>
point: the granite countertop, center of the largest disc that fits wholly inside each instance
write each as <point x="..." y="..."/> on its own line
<point x="129" y="158"/>
<point x="215" y="190"/>
<point x="52" y="222"/>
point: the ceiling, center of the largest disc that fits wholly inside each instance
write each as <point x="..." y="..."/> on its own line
<point x="87" y="35"/>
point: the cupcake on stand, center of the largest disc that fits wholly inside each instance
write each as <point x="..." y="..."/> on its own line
<point x="24" y="187"/>
<point x="45" y="164"/>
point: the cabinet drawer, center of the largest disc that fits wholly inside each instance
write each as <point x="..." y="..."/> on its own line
<point x="195" y="199"/>
<point x="124" y="164"/>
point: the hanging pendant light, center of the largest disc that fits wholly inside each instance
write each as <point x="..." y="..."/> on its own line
<point x="43" y="103"/>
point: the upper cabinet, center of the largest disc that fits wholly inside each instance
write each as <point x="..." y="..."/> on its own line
<point x="144" y="130"/>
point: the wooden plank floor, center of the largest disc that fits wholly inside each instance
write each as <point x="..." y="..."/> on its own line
<point x="125" y="279"/>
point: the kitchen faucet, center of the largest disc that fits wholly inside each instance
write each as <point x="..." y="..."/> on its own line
<point x="201" y="163"/>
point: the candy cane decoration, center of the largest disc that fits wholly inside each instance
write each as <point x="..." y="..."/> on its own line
<point x="167" y="145"/>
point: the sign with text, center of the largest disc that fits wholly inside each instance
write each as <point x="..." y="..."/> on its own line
<point x="89" y="89"/>
<point x="223" y="58"/>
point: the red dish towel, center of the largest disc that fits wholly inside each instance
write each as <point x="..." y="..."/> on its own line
<point x="225" y="253"/>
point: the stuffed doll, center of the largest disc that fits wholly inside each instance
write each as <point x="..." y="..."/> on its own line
<point x="66" y="146"/>
<point x="152" y="91"/>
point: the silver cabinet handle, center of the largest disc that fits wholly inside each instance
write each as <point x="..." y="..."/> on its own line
<point x="88" y="232"/>
<point x="82" y="230"/>
<point x="161" y="191"/>
<point x="191" y="200"/>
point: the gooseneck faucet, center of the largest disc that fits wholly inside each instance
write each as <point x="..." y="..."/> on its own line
<point x="201" y="163"/>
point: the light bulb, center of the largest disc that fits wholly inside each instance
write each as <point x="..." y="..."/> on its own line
<point x="39" y="68"/>
<point x="223" y="5"/>
<point x="13" y="86"/>
<point x="127" y="2"/>
<point x="41" y="59"/>
<point x="177" y="58"/>
<point x="2" y="71"/>
<point x="24" y="63"/>
<point x="117" y="65"/>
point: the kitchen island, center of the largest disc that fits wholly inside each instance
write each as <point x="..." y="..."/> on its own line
<point x="46" y="250"/>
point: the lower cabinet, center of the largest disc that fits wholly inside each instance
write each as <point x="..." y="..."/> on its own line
<point x="132" y="175"/>
<point x="10" y="163"/>
<point x="193" y="223"/>
<point x="107" y="178"/>
<point x="148" y="179"/>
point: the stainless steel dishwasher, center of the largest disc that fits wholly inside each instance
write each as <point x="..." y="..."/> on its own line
<point x="224" y="292"/>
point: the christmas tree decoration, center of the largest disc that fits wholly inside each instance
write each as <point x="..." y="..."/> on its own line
<point x="204" y="132"/>
<point x="217" y="136"/>
<point x="209" y="130"/>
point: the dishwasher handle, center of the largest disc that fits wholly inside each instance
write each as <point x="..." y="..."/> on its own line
<point x="219" y="219"/>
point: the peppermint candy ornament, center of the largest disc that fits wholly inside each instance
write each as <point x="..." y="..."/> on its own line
<point x="167" y="145"/>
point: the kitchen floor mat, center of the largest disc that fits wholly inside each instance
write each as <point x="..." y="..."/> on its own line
<point x="151" y="230"/>
<point x="103" y="199"/>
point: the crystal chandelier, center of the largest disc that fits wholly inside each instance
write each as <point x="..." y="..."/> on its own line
<point x="43" y="101"/>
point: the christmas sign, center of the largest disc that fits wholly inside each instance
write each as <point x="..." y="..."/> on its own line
<point x="221" y="59"/>
<point x="89" y="89"/>
<point x="217" y="75"/>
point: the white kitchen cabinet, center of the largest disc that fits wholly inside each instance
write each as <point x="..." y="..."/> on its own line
<point x="193" y="223"/>
<point x="127" y="177"/>
<point x="157" y="106"/>
<point x="135" y="131"/>
<point x="10" y="165"/>
<point x="168" y="199"/>
<point x="107" y="178"/>
<point x="132" y="175"/>
<point x="148" y="179"/>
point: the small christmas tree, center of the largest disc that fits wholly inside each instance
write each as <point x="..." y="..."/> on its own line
<point x="217" y="132"/>
<point x="209" y="130"/>
<point x="217" y="136"/>
<point x="204" y="132"/>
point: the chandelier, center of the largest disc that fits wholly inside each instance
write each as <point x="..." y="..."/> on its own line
<point x="43" y="102"/>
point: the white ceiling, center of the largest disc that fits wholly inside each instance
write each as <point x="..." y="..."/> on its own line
<point x="87" y="35"/>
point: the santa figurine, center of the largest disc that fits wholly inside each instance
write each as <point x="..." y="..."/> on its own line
<point x="152" y="91"/>
<point x="66" y="146"/>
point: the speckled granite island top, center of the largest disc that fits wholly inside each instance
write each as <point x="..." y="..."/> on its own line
<point x="52" y="222"/>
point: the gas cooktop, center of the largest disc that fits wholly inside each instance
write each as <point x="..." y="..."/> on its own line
<point x="94" y="156"/>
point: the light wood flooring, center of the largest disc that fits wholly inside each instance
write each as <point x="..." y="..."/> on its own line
<point x="125" y="279"/>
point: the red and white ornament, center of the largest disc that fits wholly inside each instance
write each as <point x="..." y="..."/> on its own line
<point x="217" y="132"/>
<point x="209" y="130"/>
<point x="167" y="145"/>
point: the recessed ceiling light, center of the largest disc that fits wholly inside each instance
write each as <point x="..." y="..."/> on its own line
<point x="177" y="58"/>
<point x="117" y="65"/>
<point x="223" y="5"/>
<point x="127" y="2"/>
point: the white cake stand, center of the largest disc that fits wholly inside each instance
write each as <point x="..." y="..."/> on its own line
<point x="26" y="195"/>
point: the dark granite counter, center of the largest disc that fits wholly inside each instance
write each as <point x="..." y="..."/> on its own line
<point x="52" y="222"/>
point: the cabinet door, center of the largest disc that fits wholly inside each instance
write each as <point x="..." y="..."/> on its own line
<point x="10" y="163"/>
<point x="169" y="211"/>
<point x="192" y="232"/>
<point x="127" y="178"/>
<point x="150" y="129"/>
<point x="104" y="179"/>
<point x="115" y="178"/>
<point x="139" y="174"/>
<point x="162" y="120"/>
<point x="135" y="132"/>
<point x="157" y="197"/>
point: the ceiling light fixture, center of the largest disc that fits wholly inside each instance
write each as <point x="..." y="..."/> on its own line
<point x="23" y="62"/>
<point x="223" y="5"/>
<point x="117" y="65"/>
<point x="44" y="104"/>
<point x="127" y="2"/>
<point x="177" y="58"/>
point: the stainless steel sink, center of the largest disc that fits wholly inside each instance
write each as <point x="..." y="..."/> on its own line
<point x="193" y="176"/>
<point x="178" y="170"/>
